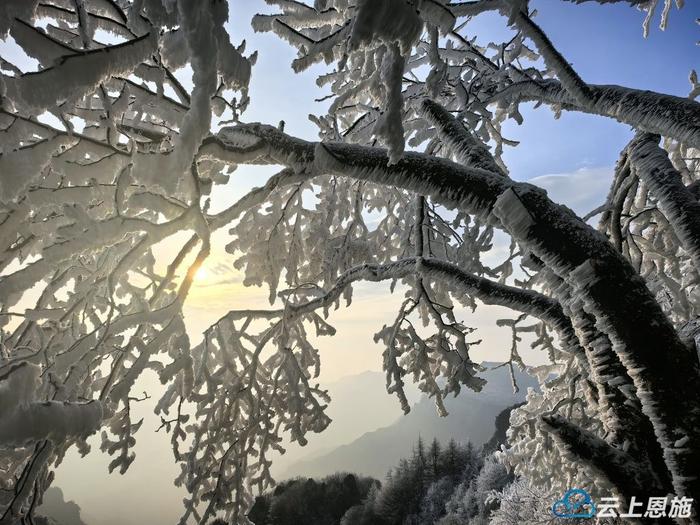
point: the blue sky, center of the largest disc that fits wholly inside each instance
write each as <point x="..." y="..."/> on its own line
<point x="606" y="46"/>
<point x="604" y="43"/>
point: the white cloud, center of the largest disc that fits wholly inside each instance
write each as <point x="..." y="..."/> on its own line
<point x="582" y="190"/>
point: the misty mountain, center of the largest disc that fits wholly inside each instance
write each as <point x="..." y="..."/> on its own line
<point x="472" y="417"/>
<point x="359" y="404"/>
<point x="56" y="510"/>
<point x="502" y="423"/>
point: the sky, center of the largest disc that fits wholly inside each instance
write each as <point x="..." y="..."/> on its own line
<point x="603" y="42"/>
<point x="572" y="157"/>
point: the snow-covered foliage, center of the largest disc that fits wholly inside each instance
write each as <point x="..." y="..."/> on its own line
<point x="472" y="500"/>
<point x="521" y="503"/>
<point x="104" y="154"/>
<point x="84" y="309"/>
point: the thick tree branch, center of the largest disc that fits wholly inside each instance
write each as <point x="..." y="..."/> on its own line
<point x="568" y="77"/>
<point x="78" y="74"/>
<point x="619" y="468"/>
<point x="667" y="115"/>
<point x="467" y="149"/>
<point x="616" y="295"/>
<point x="486" y="290"/>
<point x="681" y="207"/>
<point x="52" y="420"/>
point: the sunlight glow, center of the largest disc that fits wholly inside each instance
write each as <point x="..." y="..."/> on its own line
<point x="201" y="275"/>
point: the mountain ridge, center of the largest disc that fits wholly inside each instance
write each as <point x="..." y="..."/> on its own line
<point x="472" y="418"/>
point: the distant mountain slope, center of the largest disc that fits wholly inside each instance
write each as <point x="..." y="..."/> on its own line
<point x="359" y="404"/>
<point x="502" y="423"/>
<point x="472" y="418"/>
<point x="58" y="510"/>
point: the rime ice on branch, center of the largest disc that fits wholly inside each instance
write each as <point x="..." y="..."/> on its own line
<point x="131" y="158"/>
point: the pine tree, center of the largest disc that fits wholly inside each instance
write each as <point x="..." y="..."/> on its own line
<point x="435" y="466"/>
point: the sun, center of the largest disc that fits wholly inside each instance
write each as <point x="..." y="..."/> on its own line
<point x="201" y="275"/>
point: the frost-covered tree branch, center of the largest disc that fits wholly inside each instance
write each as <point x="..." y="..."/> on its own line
<point x="618" y="467"/>
<point x="657" y="113"/>
<point x="653" y="167"/>
<point x="592" y="266"/>
<point x="126" y="158"/>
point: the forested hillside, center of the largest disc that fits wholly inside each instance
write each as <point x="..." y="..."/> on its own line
<point x="471" y="417"/>
<point x="448" y="484"/>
